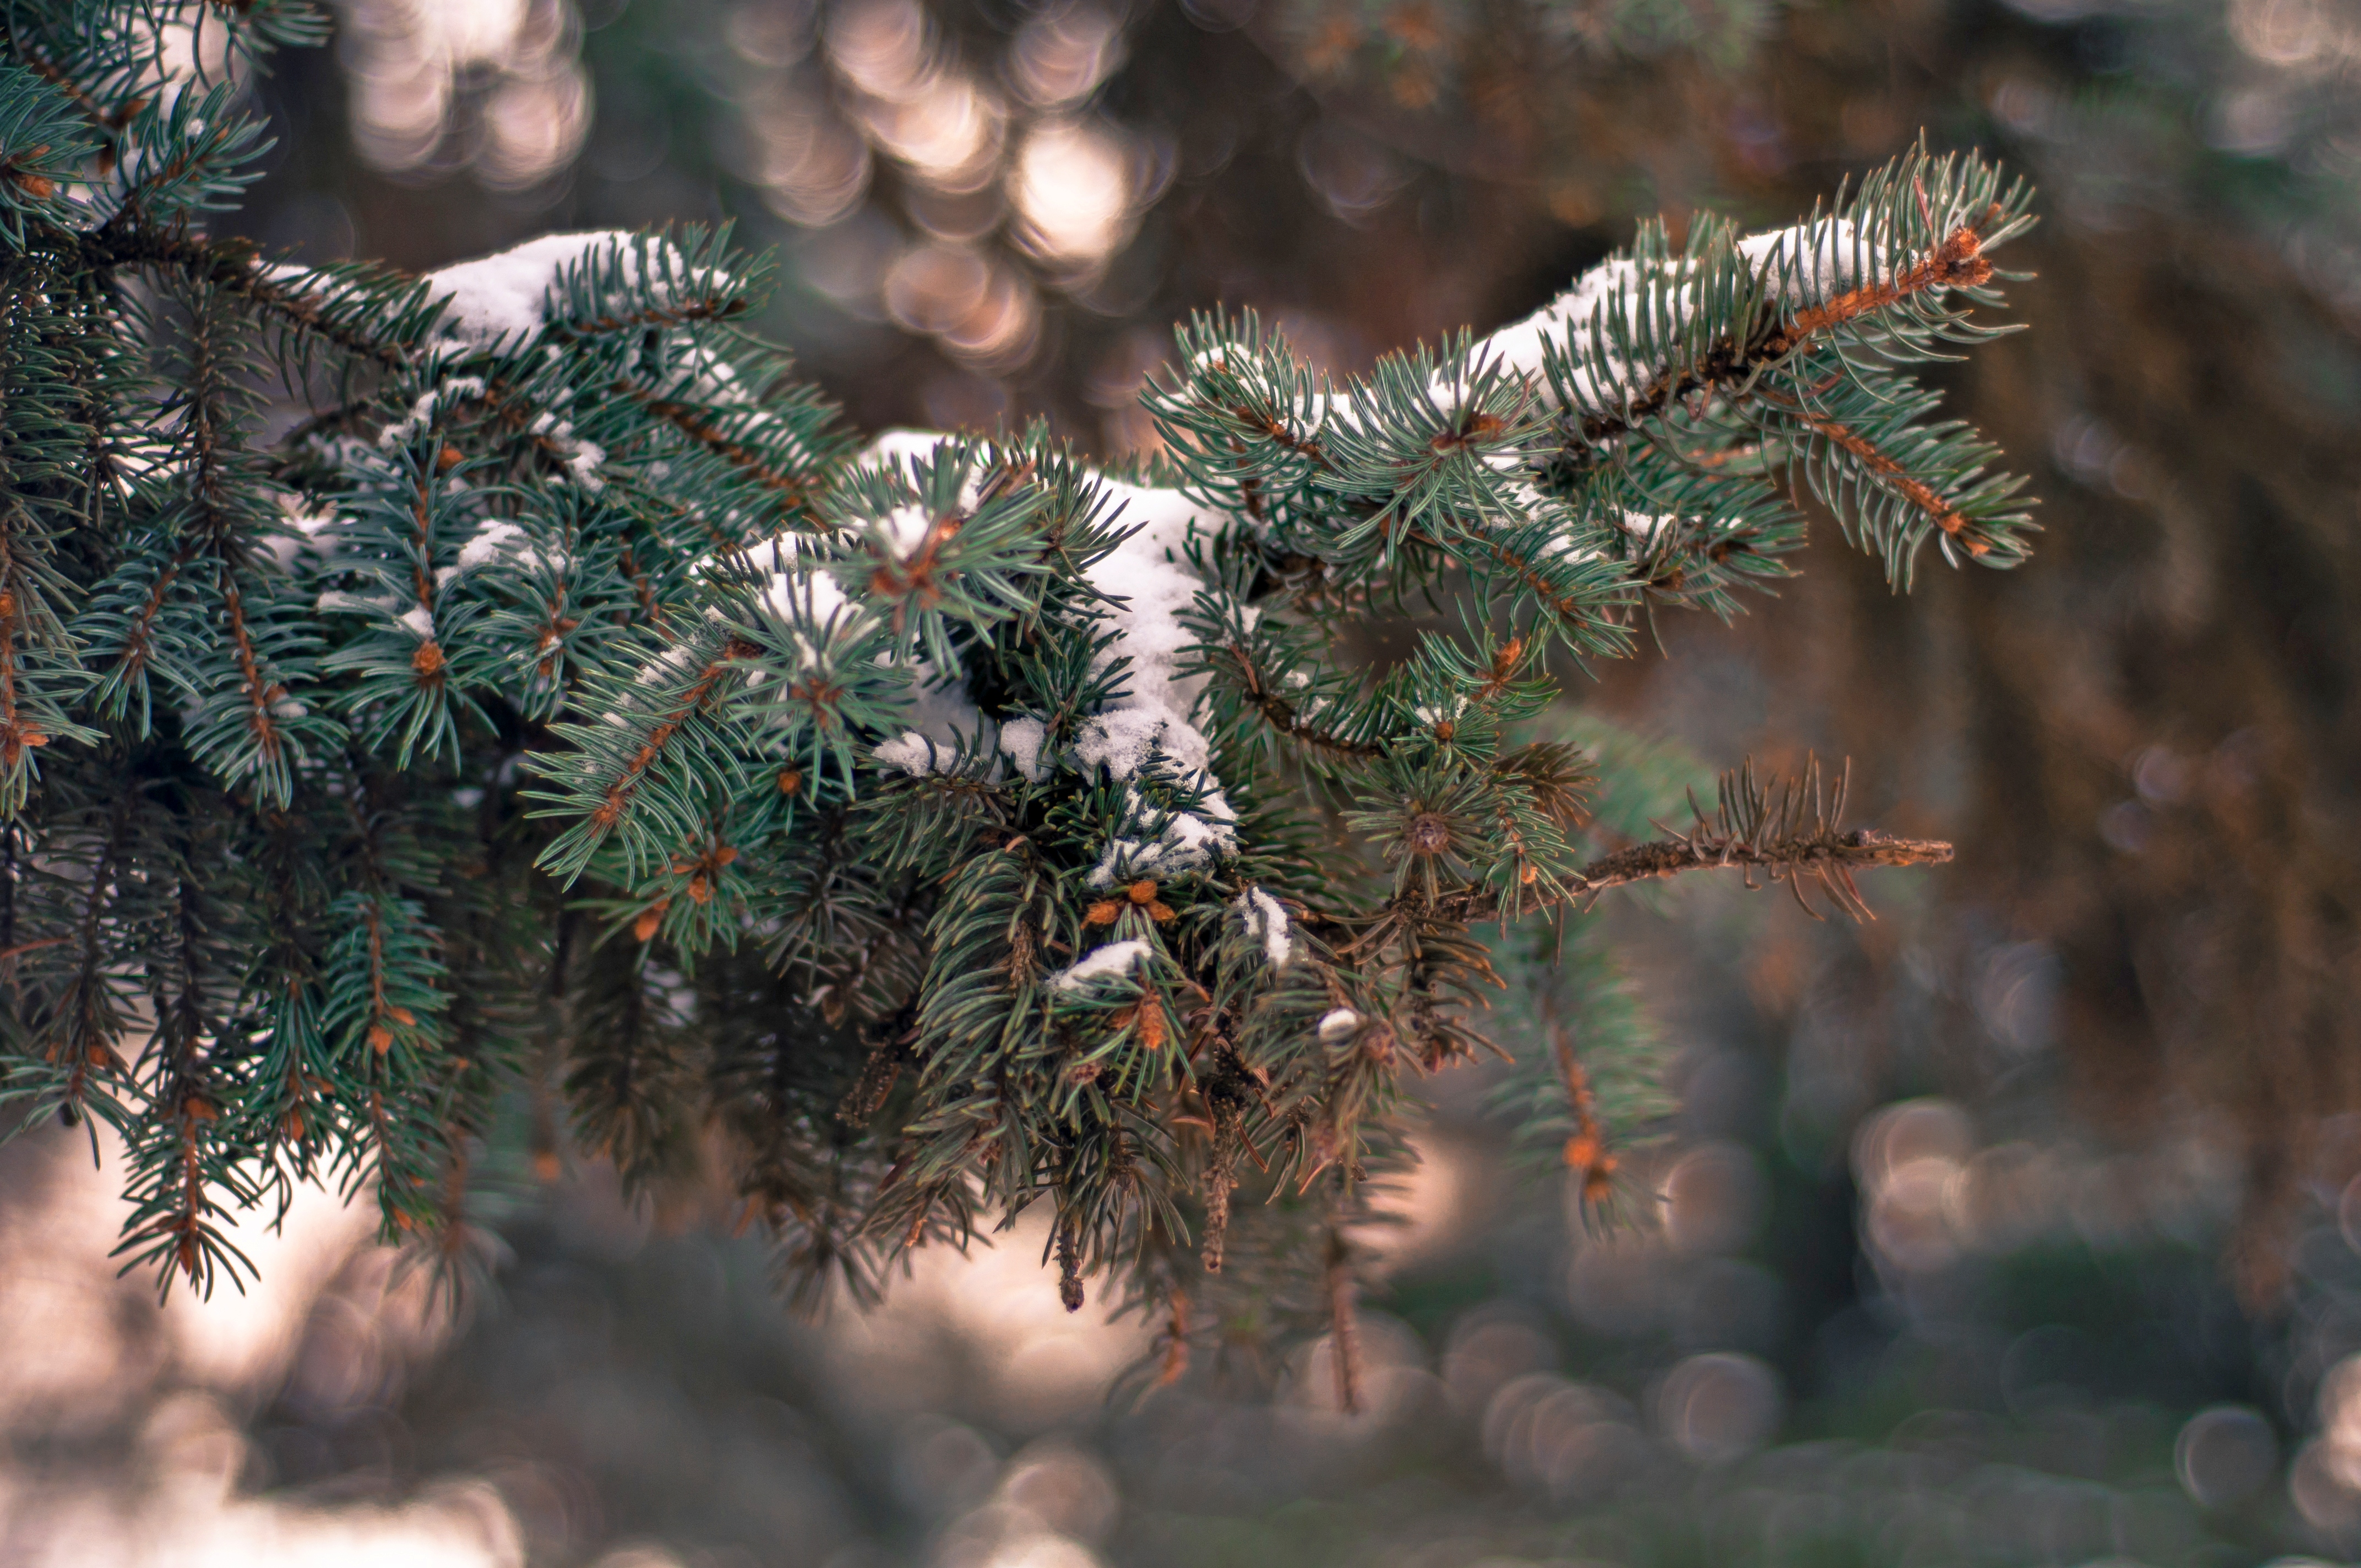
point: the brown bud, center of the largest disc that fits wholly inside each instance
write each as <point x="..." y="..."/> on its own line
<point x="1143" y="892"/>
<point x="701" y="891"/>
<point x="791" y="781"/>
<point x="404" y="1016"/>
<point x="450" y="457"/>
<point x="1429" y="834"/>
<point x="1103" y="912"/>
<point x="380" y="1039"/>
<point x="649" y="918"/>
<point x="428" y="661"/>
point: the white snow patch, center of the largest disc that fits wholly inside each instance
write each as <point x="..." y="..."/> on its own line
<point x="1805" y="263"/>
<point x="1338" y="1025"/>
<point x="1021" y="740"/>
<point x="501" y="301"/>
<point x="487" y="543"/>
<point x="1808" y="263"/>
<point x="1266" y="921"/>
<point x="1112" y="961"/>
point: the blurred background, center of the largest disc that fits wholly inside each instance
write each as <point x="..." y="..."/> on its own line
<point x="2021" y="1226"/>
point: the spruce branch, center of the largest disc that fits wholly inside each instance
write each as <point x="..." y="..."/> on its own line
<point x="957" y="826"/>
<point x="1788" y="830"/>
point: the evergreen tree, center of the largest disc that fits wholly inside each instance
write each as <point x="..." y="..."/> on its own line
<point x="425" y="698"/>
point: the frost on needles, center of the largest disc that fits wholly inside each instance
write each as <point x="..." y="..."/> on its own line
<point x="453" y="723"/>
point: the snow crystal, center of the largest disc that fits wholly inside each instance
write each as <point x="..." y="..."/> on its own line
<point x="1112" y="961"/>
<point x="1266" y="921"/>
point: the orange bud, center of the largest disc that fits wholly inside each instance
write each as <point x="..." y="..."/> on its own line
<point x="450" y="457"/>
<point x="791" y="781"/>
<point x="1582" y="1151"/>
<point x="1103" y="912"/>
<point x="649" y="918"/>
<point x="1160" y="913"/>
<point x="404" y="1016"/>
<point x="428" y="661"/>
<point x="699" y="892"/>
<point x="724" y="855"/>
<point x="1143" y="892"/>
<point x="380" y="1039"/>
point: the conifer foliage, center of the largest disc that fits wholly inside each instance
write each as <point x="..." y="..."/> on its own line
<point x="446" y="719"/>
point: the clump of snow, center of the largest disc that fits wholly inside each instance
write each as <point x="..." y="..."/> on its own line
<point x="1149" y="576"/>
<point x="1808" y="263"/>
<point x="1805" y="263"/>
<point x="1113" y="961"/>
<point x="497" y="536"/>
<point x="1565" y="320"/>
<point x="1266" y="921"/>
<point x="915" y="755"/>
<point x="1338" y="1025"/>
<point x="501" y="301"/>
<point x="1154" y="841"/>
<point x="1021" y="740"/>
